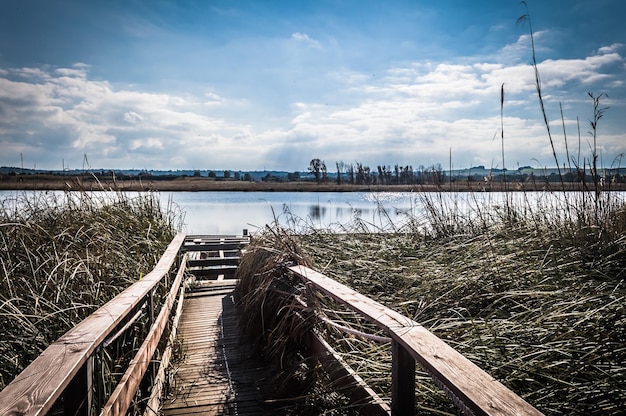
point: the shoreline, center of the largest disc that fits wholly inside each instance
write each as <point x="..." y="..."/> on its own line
<point x="195" y="184"/>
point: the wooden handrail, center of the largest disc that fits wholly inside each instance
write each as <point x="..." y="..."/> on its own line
<point x="34" y="390"/>
<point x="459" y="377"/>
<point x="123" y="395"/>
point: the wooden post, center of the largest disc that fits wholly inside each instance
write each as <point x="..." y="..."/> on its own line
<point x="78" y="394"/>
<point x="402" y="381"/>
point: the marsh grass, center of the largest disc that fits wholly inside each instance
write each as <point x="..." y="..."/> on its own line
<point x="62" y="255"/>
<point x="533" y="292"/>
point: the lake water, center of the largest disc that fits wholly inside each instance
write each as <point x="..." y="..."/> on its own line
<point x="231" y="212"/>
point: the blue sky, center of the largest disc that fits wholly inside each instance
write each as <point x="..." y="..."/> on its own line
<point x="247" y="85"/>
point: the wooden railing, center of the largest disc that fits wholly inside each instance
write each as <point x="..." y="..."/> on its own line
<point x="64" y="369"/>
<point x="471" y="388"/>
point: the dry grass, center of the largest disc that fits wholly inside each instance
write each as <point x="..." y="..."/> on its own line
<point x="64" y="255"/>
<point x="533" y="294"/>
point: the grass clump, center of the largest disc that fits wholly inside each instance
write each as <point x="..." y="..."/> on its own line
<point x="277" y="316"/>
<point x="62" y="255"/>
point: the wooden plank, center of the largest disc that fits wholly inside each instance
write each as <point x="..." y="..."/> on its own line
<point x="235" y="245"/>
<point x="213" y="272"/>
<point x="215" y="238"/>
<point x="214" y="260"/>
<point x="36" y="388"/>
<point x="474" y="387"/>
<point x="212" y="284"/>
<point x="214" y="244"/>
<point x="209" y="237"/>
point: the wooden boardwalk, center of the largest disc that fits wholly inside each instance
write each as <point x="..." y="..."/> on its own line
<point x="220" y="373"/>
<point x="217" y="371"/>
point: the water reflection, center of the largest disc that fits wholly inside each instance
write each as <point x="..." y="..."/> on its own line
<point x="317" y="212"/>
<point x="209" y="212"/>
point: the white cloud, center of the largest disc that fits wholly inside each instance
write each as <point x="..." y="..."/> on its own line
<point x="212" y="98"/>
<point x="306" y="39"/>
<point x="79" y="72"/>
<point x="556" y="73"/>
<point x="611" y="48"/>
<point x="522" y="48"/>
<point x="148" y="143"/>
<point x="132" y="117"/>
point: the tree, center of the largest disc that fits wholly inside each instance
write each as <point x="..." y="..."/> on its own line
<point x="351" y="173"/>
<point x="226" y="174"/>
<point x="340" y="165"/>
<point x="362" y="174"/>
<point x="407" y="175"/>
<point x="316" y="167"/>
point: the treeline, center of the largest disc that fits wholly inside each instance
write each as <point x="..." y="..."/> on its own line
<point x="359" y="174"/>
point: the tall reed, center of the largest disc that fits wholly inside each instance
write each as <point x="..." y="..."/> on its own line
<point x="62" y="255"/>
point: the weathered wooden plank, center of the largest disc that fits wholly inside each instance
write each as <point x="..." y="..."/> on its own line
<point x="207" y="272"/>
<point x="227" y="245"/>
<point x="36" y="388"/>
<point x="214" y="237"/>
<point x="474" y="387"/>
<point x="215" y="254"/>
<point x="209" y="261"/>
<point x="226" y="283"/>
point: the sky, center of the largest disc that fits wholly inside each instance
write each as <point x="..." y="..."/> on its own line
<point x="271" y="85"/>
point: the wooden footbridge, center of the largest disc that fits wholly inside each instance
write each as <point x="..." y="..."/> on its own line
<point x="194" y="360"/>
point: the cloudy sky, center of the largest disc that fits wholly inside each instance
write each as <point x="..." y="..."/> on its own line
<point x="247" y="85"/>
